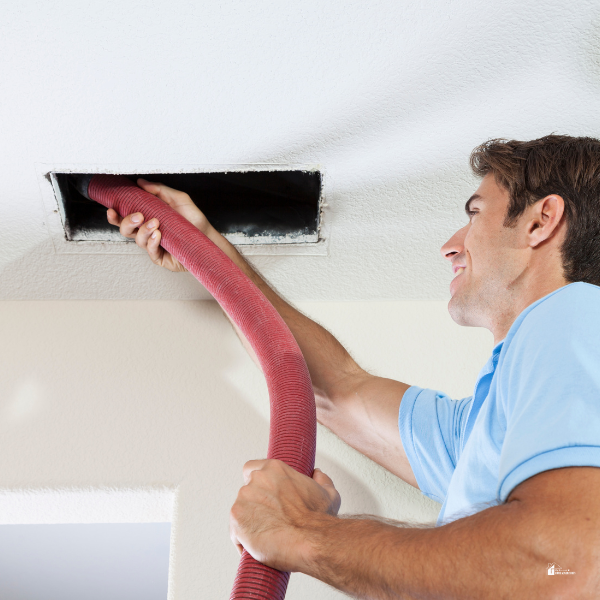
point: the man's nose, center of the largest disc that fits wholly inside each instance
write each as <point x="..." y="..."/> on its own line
<point x="455" y="245"/>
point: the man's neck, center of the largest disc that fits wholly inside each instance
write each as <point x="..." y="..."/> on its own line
<point x="518" y="303"/>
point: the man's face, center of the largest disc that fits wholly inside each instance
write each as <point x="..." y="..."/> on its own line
<point x="487" y="259"/>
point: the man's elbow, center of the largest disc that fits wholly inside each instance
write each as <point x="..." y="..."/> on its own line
<point x="334" y="400"/>
<point x="570" y="587"/>
<point x="577" y="570"/>
<point x="329" y="405"/>
<point x="586" y="581"/>
<point x="324" y="406"/>
<point x="556" y="521"/>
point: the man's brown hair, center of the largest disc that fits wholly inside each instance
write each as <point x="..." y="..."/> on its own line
<point x="555" y="164"/>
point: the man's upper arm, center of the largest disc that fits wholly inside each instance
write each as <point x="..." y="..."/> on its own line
<point x="365" y="415"/>
<point x="413" y="433"/>
<point x="431" y="426"/>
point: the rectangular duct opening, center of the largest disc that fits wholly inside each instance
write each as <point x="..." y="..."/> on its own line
<point x="247" y="207"/>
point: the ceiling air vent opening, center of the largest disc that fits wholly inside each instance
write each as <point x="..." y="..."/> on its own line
<point x="248" y="208"/>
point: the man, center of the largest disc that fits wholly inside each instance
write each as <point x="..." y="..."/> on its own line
<point x="516" y="464"/>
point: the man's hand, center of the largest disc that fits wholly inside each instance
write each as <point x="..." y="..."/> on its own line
<point x="276" y="508"/>
<point x="502" y="551"/>
<point x="147" y="234"/>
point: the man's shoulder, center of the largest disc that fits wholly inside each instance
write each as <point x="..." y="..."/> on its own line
<point x="570" y="311"/>
<point x="553" y="353"/>
<point x="566" y="296"/>
<point x="557" y="331"/>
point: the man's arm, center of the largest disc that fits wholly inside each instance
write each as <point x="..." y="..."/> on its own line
<point x="360" y="408"/>
<point x="288" y="521"/>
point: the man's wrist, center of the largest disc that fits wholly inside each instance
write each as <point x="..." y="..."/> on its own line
<point x="316" y="534"/>
<point x="204" y="226"/>
<point x="214" y="236"/>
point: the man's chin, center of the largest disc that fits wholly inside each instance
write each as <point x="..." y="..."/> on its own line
<point x="459" y="310"/>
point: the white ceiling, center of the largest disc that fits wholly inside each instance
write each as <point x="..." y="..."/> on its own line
<point x="388" y="98"/>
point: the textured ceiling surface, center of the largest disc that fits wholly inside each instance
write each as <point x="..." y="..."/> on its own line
<point x="387" y="98"/>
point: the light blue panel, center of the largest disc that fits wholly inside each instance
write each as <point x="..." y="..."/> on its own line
<point x="125" y="561"/>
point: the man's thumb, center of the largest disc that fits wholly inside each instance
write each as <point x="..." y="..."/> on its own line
<point x="327" y="484"/>
<point x="322" y="479"/>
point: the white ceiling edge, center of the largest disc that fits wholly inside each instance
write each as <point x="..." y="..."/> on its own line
<point x="37" y="506"/>
<point x="54" y="216"/>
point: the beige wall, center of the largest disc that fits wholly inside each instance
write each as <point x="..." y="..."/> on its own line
<point x="125" y="411"/>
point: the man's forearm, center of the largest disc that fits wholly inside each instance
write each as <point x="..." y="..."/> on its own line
<point x="358" y="407"/>
<point x="326" y="358"/>
<point x="501" y="552"/>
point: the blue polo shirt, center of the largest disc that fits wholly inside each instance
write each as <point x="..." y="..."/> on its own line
<point x="536" y="406"/>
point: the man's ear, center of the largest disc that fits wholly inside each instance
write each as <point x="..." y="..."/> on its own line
<point x="544" y="219"/>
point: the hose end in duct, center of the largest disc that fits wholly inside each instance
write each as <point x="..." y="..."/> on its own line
<point x="81" y="184"/>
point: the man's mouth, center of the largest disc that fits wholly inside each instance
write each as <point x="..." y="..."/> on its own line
<point x="459" y="271"/>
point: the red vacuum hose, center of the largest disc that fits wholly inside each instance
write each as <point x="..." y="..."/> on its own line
<point x="293" y="426"/>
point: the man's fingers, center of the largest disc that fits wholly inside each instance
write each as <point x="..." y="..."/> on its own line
<point x="154" y="249"/>
<point x="130" y="223"/>
<point x="149" y="186"/>
<point x="164" y="192"/>
<point x="144" y="232"/>
<point x="179" y="201"/>
<point x="127" y="225"/>
<point x="113" y="217"/>
<point x="327" y="484"/>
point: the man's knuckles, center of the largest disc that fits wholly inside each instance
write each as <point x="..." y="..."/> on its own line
<point x="142" y="236"/>
<point x="236" y="514"/>
<point x="128" y="226"/>
<point x="245" y="494"/>
<point x="321" y="478"/>
<point x="167" y="194"/>
<point x="252" y="466"/>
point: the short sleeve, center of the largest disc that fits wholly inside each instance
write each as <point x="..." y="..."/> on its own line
<point x="431" y="426"/>
<point x="550" y="389"/>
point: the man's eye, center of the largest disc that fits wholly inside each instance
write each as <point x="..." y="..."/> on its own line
<point x="472" y="212"/>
